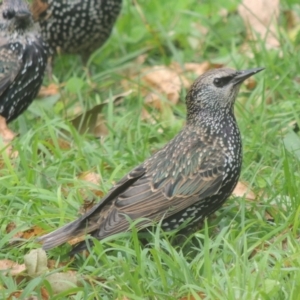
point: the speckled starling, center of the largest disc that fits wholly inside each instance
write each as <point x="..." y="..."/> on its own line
<point x="23" y="59"/>
<point x="188" y="179"/>
<point x="76" y="26"/>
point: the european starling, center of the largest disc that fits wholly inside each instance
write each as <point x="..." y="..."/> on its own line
<point x="76" y="26"/>
<point x="23" y="59"/>
<point x="188" y="179"/>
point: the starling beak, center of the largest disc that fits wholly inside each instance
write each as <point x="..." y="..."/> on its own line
<point x="23" y="58"/>
<point x="76" y="26"/>
<point x="243" y="75"/>
<point x="187" y="180"/>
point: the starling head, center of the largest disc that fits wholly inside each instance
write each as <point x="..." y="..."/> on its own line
<point x="14" y="15"/>
<point x="215" y="91"/>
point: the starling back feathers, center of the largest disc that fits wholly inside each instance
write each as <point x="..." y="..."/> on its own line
<point x="76" y="26"/>
<point x="23" y="59"/>
<point x="189" y="178"/>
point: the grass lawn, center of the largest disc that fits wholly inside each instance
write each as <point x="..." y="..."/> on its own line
<point x="249" y="249"/>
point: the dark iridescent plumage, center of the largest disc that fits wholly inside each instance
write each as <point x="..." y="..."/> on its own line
<point x="76" y="26"/>
<point x="23" y="59"/>
<point x="189" y="178"/>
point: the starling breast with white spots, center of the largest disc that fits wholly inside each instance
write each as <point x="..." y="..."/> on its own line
<point x="23" y="59"/>
<point x="188" y="179"/>
<point x="76" y="26"/>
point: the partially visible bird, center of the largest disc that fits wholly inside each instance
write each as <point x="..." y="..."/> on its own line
<point x="76" y="26"/>
<point x="23" y="59"/>
<point x="188" y="179"/>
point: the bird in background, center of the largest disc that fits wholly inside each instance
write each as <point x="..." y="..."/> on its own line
<point x="23" y="59"/>
<point x="188" y="179"/>
<point x="76" y="26"/>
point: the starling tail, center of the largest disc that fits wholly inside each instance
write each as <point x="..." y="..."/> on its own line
<point x="76" y="26"/>
<point x="188" y="179"/>
<point x="23" y="59"/>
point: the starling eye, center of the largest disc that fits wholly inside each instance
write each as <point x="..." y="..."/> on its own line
<point x="8" y="14"/>
<point x="218" y="82"/>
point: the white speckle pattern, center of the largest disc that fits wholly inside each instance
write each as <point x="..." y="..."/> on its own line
<point x="78" y="26"/>
<point x="23" y="58"/>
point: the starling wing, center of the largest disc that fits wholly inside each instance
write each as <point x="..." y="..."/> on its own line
<point x="168" y="182"/>
<point x="9" y="68"/>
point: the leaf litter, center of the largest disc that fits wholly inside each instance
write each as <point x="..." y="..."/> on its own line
<point x="261" y="20"/>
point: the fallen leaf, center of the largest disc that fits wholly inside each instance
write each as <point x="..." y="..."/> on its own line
<point x="62" y="144"/>
<point x="87" y="122"/>
<point x="165" y="81"/>
<point x="242" y="190"/>
<point x="100" y="127"/>
<point x="52" y="264"/>
<point x="44" y="293"/>
<point x="29" y="233"/>
<point x="201" y="295"/>
<point x="91" y="177"/>
<point x="36" y="262"/>
<point x="15" y="294"/>
<point x="10" y="227"/>
<point x="95" y="179"/>
<point x="250" y="83"/>
<point x="86" y="206"/>
<point x="292" y="144"/>
<point x="10" y="267"/>
<point x="61" y="282"/>
<point x="50" y="90"/>
<point x="199" y="69"/>
<point x="260" y="18"/>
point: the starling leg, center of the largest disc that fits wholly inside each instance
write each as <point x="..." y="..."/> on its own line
<point x="49" y="67"/>
<point x="7" y="136"/>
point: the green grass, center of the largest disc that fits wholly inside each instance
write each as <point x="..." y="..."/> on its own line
<point x="237" y="254"/>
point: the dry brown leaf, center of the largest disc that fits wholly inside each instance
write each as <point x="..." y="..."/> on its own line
<point x="47" y="91"/>
<point x="260" y="18"/>
<point x="199" y="69"/>
<point x="95" y="179"/>
<point x="10" y="267"/>
<point x="16" y="294"/>
<point x="163" y="81"/>
<point x="44" y="293"/>
<point x="292" y="19"/>
<point x="62" y="144"/>
<point x="29" y="233"/>
<point x="250" y="83"/>
<point x="89" y="176"/>
<point x="52" y="264"/>
<point x="242" y="190"/>
<point x="100" y="127"/>
<point x="10" y="227"/>
<point x="87" y="205"/>
<point x="88" y="121"/>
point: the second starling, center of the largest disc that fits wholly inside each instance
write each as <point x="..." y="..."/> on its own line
<point x="188" y="179"/>
<point x="76" y="26"/>
<point x="23" y="59"/>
